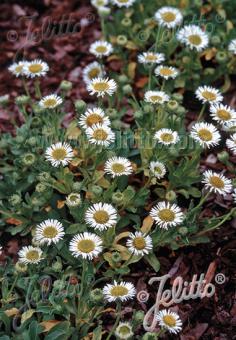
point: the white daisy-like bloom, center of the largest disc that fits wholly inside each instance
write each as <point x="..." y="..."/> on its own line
<point x="122" y="291"/>
<point x="30" y="254"/>
<point x="100" y="134"/>
<point x="99" y="3"/>
<point x="51" y="101"/>
<point x="193" y="37"/>
<point x="101" y="216"/>
<point x="91" y="71"/>
<point x="35" y="68"/>
<point x="124" y="331"/>
<point x="93" y="116"/>
<point x="86" y="245"/>
<point x="123" y="3"/>
<point x="216" y="183"/>
<point x="169" y="320"/>
<point x="222" y="113"/>
<point x="139" y="243"/>
<point x="151" y="58"/>
<point x="158" y="169"/>
<point x="167" y="215"/>
<point x="166" y="72"/>
<point x="156" y="97"/>
<point x="234" y="195"/>
<point x="232" y="46"/>
<point x="229" y="126"/>
<point x="231" y="143"/>
<point x="205" y="134"/>
<point x="118" y="166"/>
<point x="208" y="94"/>
<point x="0" y="250"/>
<point x="169" y="17"/>
<point x="101" y="48"/>
<point x="4" y="98"/>
<point x="73" y="199"/>
<point x="17" y="68"/>
<point x="166" y="136"/>
<point x="102" y="86"/>
<point x="59" y="154"/>
<point x="49" y="231"/>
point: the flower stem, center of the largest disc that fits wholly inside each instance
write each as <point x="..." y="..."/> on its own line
<point x="201" y="112"/>
<point x="118" y="316"/>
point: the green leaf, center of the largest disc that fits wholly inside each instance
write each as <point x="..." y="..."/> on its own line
<point x="153" y="261"/>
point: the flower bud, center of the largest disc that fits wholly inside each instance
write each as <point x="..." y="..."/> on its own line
<point x="223" y="156"/>
<point x="138" y="114"/>
<point x="127" y="22"/>
<point x="139" y="316"/>
<point x="121" y="40"/>
<point x="178" y="97"/>
<point x="172" y="105"/>
<point x="117" y="198"/>
<point x="209" y="71"/>
<point x="44" y="176"/>
<point x="127" y="89"/>
<point x="104" y="11"/>
<point x="171" y="195"/>
<point x="116" y="258"/>
<point x="38" y="109"/>
<point x="40" y="187"/>
<point x="57" y="266"/>
<point x="123" y="79"/>
<point x="19" y="139"/>
<point x="148" y="108"/>
<point x="76" y="186"/>
<point x="96" y="296"/>
<point x="32" y="141"/>
<point x="149" y="336"/>
<point x="22" y="100"/>
<point x="36" y="121"/>
<point x="186" y="60"/>
<point x="221" y="57"/>
<point x="183" y="231"/>
<point x="215" y="40"/>
<point x="28" y="159"/>
<point x="66" y="85"/>
<point x="97" y="190"/>
<point x="181" y="110"/>
<point x="20" y="267"/>
<point x="15" y="199"/>
<point x="59" y="284"/>
<point x="116" y="124"/>
<point x="112" y="113"/>
<point x="80" y="106"/>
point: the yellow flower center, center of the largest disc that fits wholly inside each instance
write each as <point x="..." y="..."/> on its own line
<point x="74" y="198"/>
<point x="93" y="73"/>
<point x="151" y="57"/>
<point x="32" y="255"/>
<point x="35" y="68"/>
<point x="195" y="39"/>
<point x="123" y="1"/>
<point x="166" y="215"/>
<point x="209" y="95"/>
<point x="59" y="154"/>
<point x="139" y="243"/>
<point x="101" y="216"/>
<point x="119" y="291"/>
<point x="223" y="114"/>
<point x="50" y="102"/>
<point x="100" y="134"/>
<point x="100" y="87"/>
<point x="50" y="232"/>
<point x="157" y="169"/>
<point x="155" y="99"/>
<point x="86" y="246"/>
<point x="169" y="320"/>
<point x="93" y="118"/>
<point x="118" y="167"/>
<point x="168" y="16"/>
<point x="167" y="137"/>
<point x="124" y="330"/>
<point x="205" y="135"/>
<point x="101" y="49"/>
<point x="19" y="68"/>
<point x="217" y="182"/>
<point x="165" y="71"/>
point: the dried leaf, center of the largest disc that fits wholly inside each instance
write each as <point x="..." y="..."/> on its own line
<point x="11" y="312"/>
<point x="49" y="324"/>
<point x="13" y="221"/>
<point x="147" y="224"/>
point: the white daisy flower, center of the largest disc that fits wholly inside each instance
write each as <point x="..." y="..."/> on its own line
<point x="208" y="94"/>
<point x="231" y="143"/>
<point x="118" y="166"/>
<point x="222" y="113"/>
<point x="91" y="71"/>
<point x="100" y="134"/>
<point x="156" y="97"/>
<point x="101" y="216"/>
<point x="139" y="243"/>
<point x="193" y="37"/>
<point x="49" y="231"/>
<point x="73" y="199"/>
<point x="93" y="116"/>
<point x="124" y="331"/>
<point x="17" y="68"/>
<point x="169" y="320"/>
<point x="166" y="136"/>
<point x="229" y="126"/>
<point x="158" y="169"/>
<point x="99" y="3"/>
<point x="151" y="58"/>
<point x="35" y="68"/>
<point x="234" y="195"/>
<point x="166" y="72"/>
<point x="59" y="154"/>
<point x="50" y="102"/>
<point x="119" y="291"/>
<point x="123" y="3"/>
<point x="29" y="254"/>
<point x="102" y="86"/>
<point x="86" y="245"/>
<point x="167" y="215"/>
<point x="169" y="17"/>
<point x="232" y="46"/>
<point x="216" y="183"/>
<point x="4" y="99"/>
<point x="101" y="48"/>
<point x="205" y="134"/>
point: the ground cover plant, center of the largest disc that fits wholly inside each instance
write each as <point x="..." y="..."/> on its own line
<point x="144" y="167"/>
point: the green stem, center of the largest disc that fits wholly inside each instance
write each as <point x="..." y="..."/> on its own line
<point x="201" y="112"/>
<point x="13" y="286"/>
<point x="37" y="89"/>
<point x="25" y="87"/>
<point x="118" y="316"/>
<point x="150" y="77"/>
